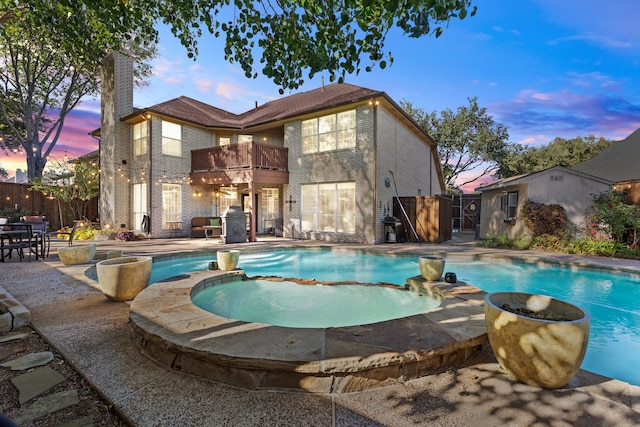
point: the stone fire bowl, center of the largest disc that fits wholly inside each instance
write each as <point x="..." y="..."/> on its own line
<point x="539" y="352"/>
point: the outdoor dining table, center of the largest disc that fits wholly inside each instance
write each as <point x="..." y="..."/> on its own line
<point x="19" y="236"/>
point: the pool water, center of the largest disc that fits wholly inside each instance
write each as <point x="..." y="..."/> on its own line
<point x="310" y="306"/>
<point x="612" y="300"/>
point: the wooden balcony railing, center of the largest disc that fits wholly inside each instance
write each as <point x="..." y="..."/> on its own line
<point x="250" y="155"/>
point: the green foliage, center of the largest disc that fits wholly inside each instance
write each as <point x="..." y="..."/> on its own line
<point x="582" y="246"/>
<point x="613" y="216"/>
<point x="467" y="139"/>
<point x="503" y="242"/>
<point x="50" y="58"/>
<point x="544" y="220"/>
<point x="73" y="183"/>
<point x="12" y="215"/>
<point x="520" y="160"/>
<point x="290" y="36"/>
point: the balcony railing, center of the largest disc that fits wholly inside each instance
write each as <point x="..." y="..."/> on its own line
<point x="250" y="155"/>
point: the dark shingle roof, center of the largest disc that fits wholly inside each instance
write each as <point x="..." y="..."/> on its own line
<point x="618" y="162"/>
<point x="189" y="110"/>
<point x="307" y="102"/>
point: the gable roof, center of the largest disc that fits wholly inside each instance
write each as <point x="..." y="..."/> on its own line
<point x="515" y="180"/>
<point x="192" y="111"/>
<point x="618" y="162"/>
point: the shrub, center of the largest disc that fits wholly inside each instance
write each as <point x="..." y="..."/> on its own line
<point x="612" y="216"/>
<point x="544" y="220"/>
<point x="126" y="236"/>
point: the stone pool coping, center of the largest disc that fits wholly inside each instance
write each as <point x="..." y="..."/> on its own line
<point x="174" y="332"/>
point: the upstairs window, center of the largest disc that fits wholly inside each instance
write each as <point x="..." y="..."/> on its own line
<point x="327" y="133"/>
<point x="224" y="140"/>
<point x="140" y="138"/>
<point x="171" y="139"/>
<point x="245" y="138"/>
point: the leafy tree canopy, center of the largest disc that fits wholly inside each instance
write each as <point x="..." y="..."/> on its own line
<point x="520" y="160"/>
<point x="290" y="37"/>
<point x="45" y="73"/>
<point x="468" y="140"/>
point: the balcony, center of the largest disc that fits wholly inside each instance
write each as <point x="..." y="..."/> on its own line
<point x="237" y="163"/>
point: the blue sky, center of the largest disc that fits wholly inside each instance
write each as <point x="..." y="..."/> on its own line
<point x="543" y="68"/>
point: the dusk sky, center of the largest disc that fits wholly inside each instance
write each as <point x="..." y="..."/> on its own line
<point x="543" y="68"/>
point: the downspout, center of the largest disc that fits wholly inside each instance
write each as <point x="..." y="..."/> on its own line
<point x="150" y="184"/>
<point x="375" y="170"/>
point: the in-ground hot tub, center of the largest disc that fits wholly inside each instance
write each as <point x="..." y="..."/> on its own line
<point x="175" y="332"/>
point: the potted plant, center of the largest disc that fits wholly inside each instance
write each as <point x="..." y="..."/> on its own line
<point x="537" y="339"/>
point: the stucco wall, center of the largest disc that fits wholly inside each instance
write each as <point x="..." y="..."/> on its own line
<point x="555" y="186"/>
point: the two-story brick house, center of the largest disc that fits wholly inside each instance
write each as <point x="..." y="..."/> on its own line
<point x="323" y="164"/>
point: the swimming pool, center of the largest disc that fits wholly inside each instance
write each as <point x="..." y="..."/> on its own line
<point x="612" y="300"/>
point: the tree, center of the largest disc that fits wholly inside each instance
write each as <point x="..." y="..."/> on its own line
<point x="44" y="75"/>
<point x="289" y="36"/>
<point x="74" y="183"/>
<point x="519" y="160"/>
<point x="468" y="140"/>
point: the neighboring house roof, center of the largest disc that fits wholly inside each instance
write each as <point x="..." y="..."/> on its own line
<point x="618" y="162"/>
<point x="515" y="180"/>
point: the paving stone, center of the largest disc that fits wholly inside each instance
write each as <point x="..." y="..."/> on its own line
<point x="14" y="337"/>
<point x="38" y="381"/>
<point x="48" y="405"/>
<point x="29" y="361"/>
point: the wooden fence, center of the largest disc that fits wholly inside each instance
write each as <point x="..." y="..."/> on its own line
<point x="16" y="200"/>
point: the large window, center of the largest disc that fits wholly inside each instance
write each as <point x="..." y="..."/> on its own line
<point x="329" y="207"/>
<point x="140" y="138"/>
<point x="139" y="204"/>
<point x="171" y="139"/>
<point x="228" y="197"/>
<point x="332" y="132"/>
<point x="171" y="206"/>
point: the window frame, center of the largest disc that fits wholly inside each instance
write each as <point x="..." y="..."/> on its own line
<point x="140" y="141"/>
<point x="508" y="206"/>
<point x="171" y="211"/>
<point x="171" y="146"/>
<point x="331" y="132"/>
<point x="325" y="208"/>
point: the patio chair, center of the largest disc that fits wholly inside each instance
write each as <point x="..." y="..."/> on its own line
<point x="68" y="233"/>
<point x="42" y="244"/>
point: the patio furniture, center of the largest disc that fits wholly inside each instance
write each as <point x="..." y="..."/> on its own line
<point x="40" y="230"/>
<point x="17" y="236"/>
<point x="69" y="233"/>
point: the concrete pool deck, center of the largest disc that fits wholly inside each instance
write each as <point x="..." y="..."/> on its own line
<point x="94" y="335"/>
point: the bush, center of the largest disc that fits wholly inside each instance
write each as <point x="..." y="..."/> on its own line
<point x="544" y="220"/>
<point x="126" y="236"/>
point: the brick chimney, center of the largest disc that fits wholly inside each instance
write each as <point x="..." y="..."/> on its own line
<point x="115" y="144"/>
